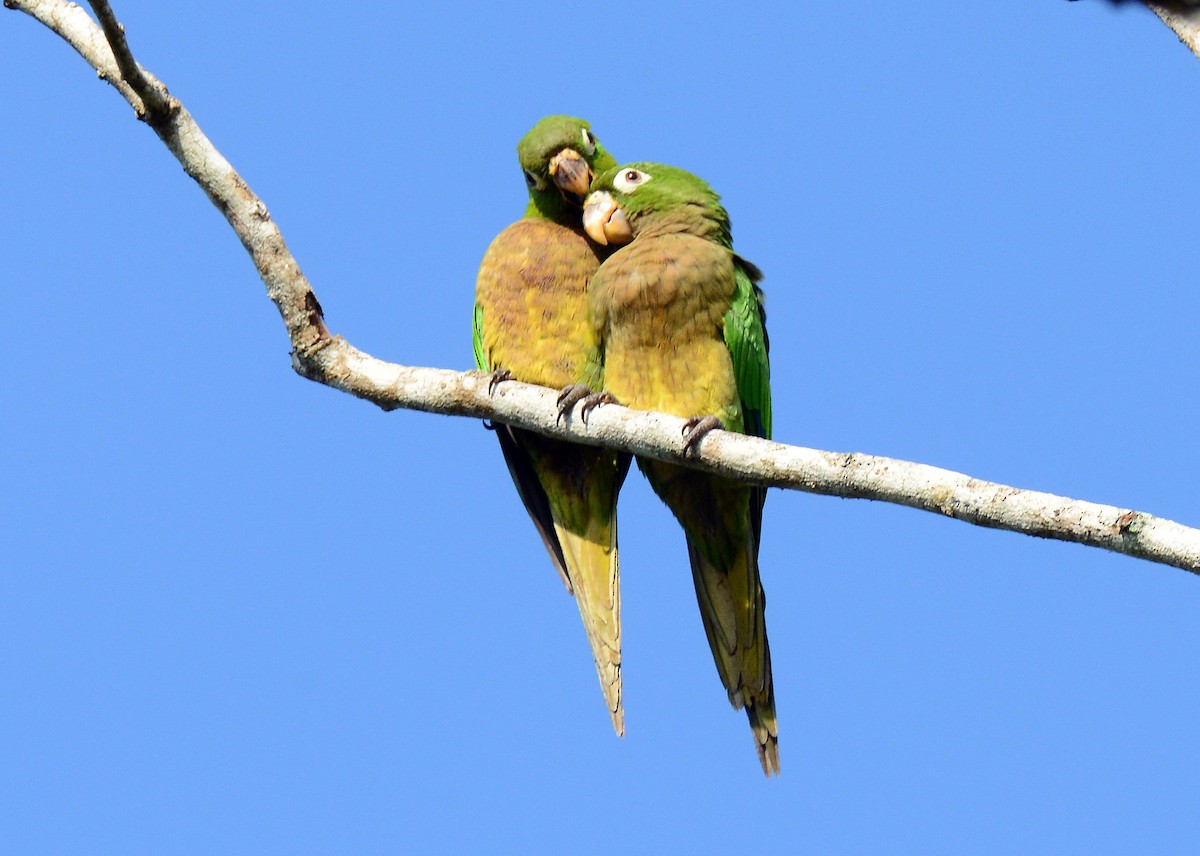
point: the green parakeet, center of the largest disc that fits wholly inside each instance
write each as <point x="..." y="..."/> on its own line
<point x="682" y="326"/>
<point x="531" y="324"/>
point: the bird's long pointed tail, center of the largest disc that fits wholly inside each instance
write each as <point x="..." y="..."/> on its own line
<point x="594" y="566"/>
<point x="733" y="607"/>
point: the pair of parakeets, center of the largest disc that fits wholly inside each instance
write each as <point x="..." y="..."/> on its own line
<point x="634" y="290"/>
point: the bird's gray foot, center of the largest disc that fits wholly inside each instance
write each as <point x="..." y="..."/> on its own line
<point x="499" y="376"/>
<point x="569" y="396"/>
<point x="695" y="430"/>
<point x="593" y="401"/>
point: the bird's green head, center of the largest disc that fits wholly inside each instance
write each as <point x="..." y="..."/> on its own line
<point x="559" y="158"/>
<point x="637" y="198"/>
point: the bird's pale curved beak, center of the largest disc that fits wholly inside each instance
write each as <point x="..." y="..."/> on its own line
<point x="604" y="220"/>
<point x="571" y="174"/>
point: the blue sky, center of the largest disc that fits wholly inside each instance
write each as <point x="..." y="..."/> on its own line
<point x="240" y="612"/>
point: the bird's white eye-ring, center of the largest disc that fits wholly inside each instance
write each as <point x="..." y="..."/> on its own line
<point x="534" y="180"/>
<point x="630" y="179"/>
<point x="589" y="142"/>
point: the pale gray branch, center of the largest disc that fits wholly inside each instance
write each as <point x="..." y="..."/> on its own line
<point x="153" y="94"/>
<point x="1183" y="17"/>
<point x="331" y="360"/>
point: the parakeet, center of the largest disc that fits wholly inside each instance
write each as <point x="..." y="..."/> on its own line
<point x="683" y="331"/>
<point x="531" y="325"/>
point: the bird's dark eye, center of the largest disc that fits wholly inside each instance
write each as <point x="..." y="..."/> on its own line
<point x="589" y="142"/>
<point x="631" y="175"/>
<point x="535" y="181"/>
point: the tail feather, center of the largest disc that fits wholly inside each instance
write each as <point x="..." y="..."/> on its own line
<point x="515" y="444"/>
<point x="577" y="487"/>
<point x="721" y="520"/>
<point x="766" y="733"/>
<point x="732" y="607"/>
<point x="596" y="578"/>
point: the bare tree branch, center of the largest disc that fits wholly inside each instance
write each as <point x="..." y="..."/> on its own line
<point x="1183" y="17"/>
<point x="154" y="95"/>
<point x="328" y="359"/>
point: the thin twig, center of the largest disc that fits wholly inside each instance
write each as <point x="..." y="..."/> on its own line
<point x="332" y="361"/>
<point x="155" y="100"/>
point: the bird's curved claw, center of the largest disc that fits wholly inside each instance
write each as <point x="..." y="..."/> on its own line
<point x="593" y="401"/>
<point x="571" y="395"/>
<point x="577" y="392"/>
<point x="568" y="397"/>
<point x="499" y="376"/>
<point x="695" y="430"/>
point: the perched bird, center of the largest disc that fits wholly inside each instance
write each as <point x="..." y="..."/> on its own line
<point x="683" y="331"/>
<point x="531" y="324"/>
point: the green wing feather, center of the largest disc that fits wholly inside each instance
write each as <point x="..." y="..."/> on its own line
<point x="481" y="360"/>
<point x="746" y="338"/>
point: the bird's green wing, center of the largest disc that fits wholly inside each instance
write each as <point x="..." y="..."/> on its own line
<point x="481" y="360"/>
<point x="746" y="338"/>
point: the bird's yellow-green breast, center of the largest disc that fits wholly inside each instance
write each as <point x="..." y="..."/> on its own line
<point x="532" y="295"/>
<point x="660" y="305"/>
